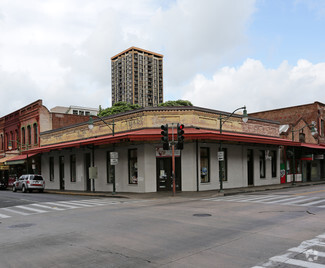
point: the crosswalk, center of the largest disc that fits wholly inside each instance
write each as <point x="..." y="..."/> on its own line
<point x="310" y="253"/>
<point x="46" y="207"/>
<point x="295" y="200"/>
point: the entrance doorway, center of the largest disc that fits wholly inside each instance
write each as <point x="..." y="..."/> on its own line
<point x="61" y="172"/>
<point x="250" y="167"/>
<point x="164" y="174"/>
<point x="87" y="165"/>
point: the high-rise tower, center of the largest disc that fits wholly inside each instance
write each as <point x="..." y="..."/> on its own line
<point x="137" y="77"/>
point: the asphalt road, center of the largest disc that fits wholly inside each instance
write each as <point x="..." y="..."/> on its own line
<point x="248" y="230"/>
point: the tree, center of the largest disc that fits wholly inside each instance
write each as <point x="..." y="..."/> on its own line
<point x="117" y="108"/>
<point x="176" y="103"/>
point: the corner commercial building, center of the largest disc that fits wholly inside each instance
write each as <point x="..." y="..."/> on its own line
<point x="137" y="77"/>
<point x="251" y="152"/>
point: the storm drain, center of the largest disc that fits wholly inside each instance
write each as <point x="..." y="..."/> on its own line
<point x="202" y="215"/>
<point x="23" y="225"/>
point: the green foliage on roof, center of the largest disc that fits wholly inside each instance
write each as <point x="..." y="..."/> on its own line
<point x="176" y="103"/>
<point x="117" y="108"/>
<point x="121" y="107"/>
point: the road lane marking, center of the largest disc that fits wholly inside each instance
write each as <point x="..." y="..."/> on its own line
<point x="300" y="263"/>
<point x="31" y="209"/>
<point x="48" y="207"/>
<point x="283" y="200"/>
<point x="60" y="204"/>
<point x="313" y="203"/>
<point x="16" y="211"/>
<point x="320" y="191"/>
<point x="3" y="216"/>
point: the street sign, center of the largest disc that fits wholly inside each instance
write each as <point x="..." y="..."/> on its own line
<point x="221" y="156"/>
<point x="113" y="155"/>
<point x="114" y="161"/>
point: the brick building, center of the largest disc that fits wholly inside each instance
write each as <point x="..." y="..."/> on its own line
<point x="298" y="123"/>
<point x="20" y="131"/>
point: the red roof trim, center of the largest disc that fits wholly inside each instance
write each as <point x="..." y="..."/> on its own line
<point x="155" y="135"/>
<point x="21" y="157"/>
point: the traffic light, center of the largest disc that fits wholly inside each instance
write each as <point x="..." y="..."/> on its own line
<point x="180" y="137"/>
<point x="164" y="137"/>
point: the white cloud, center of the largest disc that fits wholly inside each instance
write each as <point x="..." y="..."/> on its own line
<point x="257" y="87"/>
<point x="60" y="51"/>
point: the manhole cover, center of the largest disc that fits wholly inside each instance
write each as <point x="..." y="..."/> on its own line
<point x="202" y="215"/>
<point x="23" y="225"/>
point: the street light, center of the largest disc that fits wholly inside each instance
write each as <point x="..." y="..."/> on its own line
<point x="91" y="124"/>
<point x="314" y="132"/>
<point x="223" y="120"/>
<point x="112" y="128"/>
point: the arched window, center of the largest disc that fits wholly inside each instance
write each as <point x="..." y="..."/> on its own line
<point x="1" y="142"/>
<point x="35" y="133"/>
<point x="7" y="141"/>
<point x="23" y="135"/>
<point x="29" y="135"/>
<point x="12" y="140"/>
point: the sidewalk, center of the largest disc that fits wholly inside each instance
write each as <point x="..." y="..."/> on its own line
<point x="186" y="195"/>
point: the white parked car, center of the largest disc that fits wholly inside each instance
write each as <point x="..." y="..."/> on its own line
<point x="29" y="182"/>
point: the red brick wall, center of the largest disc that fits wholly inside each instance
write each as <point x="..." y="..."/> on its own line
<point x="62" y="120"/>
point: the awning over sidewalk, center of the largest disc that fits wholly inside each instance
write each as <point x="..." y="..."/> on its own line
<point x="154" y="134"/>
<point x="19" y="159"/>
<point x="3" y="160"/>
<point x="313" y="146"/>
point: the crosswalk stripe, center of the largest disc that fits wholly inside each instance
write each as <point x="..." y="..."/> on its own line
<point x="313" y="203"/>
<point x="297" y="262"/>
<point x="48" y="207"/>
<point x="31" y="209"/>
<point x="302" y="250"/>
<point x="266" y="199"/>
<point x="286" y="199"/>
<point x="3" y="216"/>
<point x="60" y="204"/>
<point x="303" y="200"/>
<point x="75" y="203"/>
<point x="92" y="203"/>
<point x="16" y="211"/>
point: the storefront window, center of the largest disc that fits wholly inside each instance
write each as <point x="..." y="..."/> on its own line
<point x="110" y="169"/>
<point x="133" y="166"/>
<point x="262" y="164"/>
<point x="205" y="164"/>
<point x="51" y="168"/>
<point x="73" y="168"/>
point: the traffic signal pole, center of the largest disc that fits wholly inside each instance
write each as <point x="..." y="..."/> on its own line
<point x="173" y="162"/>
<point x="179" y="142"/>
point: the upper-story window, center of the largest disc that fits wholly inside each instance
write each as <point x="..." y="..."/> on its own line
<point x="23" y="135"/>
<point x="35" y="133"/>
<point x="29" y="135"/>
<point x="1" y="142"/>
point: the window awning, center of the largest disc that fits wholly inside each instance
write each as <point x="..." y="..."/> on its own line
<point x="19" y="159"/>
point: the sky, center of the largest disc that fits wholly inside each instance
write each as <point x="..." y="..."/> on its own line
<point x="218" y="54"/>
